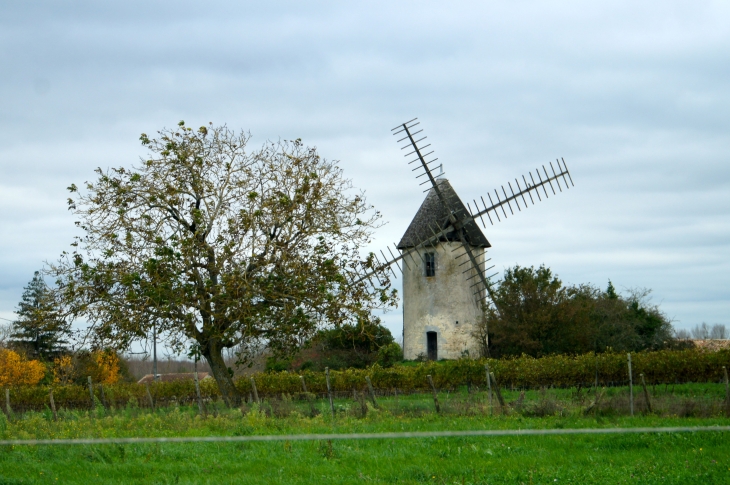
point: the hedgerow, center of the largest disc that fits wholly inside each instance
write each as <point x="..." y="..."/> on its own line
<point x="665" y="366"/>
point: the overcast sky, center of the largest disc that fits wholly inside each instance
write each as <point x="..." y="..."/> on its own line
<point x="634" y="95"/>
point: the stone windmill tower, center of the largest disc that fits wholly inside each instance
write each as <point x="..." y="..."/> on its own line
<point x="442" y="254"/>
<point x="440" y="309"/>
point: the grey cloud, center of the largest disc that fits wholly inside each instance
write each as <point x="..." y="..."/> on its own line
<point x="635" y="97"/>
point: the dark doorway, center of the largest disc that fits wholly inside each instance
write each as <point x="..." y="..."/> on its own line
<point x="432" y="346"/>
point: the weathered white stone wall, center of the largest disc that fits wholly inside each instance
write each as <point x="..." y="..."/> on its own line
<point x="437" y="303"/>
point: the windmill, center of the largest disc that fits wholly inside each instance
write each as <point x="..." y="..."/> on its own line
<point x="442" y="254"/>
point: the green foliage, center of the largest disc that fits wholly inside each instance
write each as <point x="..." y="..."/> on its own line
<point x="216" y="244"/>
<point x="365" y="337"/>
<point x="389" y="355"/>
<point x="664" y="366"/>
<point x="611" y="291"/>
<point x="125" y="374"/>
<point x="276" y="364"/>
<point x="347" y="346"/>
<point x="39" y="330"/>
<point x="524" y="371"/>
<point x="535" y="314"/>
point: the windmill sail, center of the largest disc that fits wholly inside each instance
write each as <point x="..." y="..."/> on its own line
<point x="448" y="219"/>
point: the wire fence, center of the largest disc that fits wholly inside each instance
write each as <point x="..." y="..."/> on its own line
<point x="685" y="400"/>
<point x="457" y="398"/>
<point x="482" y="390"/>
<point x="367" y="436"/>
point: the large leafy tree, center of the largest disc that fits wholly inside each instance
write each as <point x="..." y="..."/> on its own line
<point x="538" y="315"/>
<point x="39" y="330"/>
<point x="221" y="247"/>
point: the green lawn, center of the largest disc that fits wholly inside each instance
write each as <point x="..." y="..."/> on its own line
<point x="702" y="458"/>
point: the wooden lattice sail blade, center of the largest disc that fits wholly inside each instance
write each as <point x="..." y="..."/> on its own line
<point x="515" y="198"/>
<point x="415" y="146"/>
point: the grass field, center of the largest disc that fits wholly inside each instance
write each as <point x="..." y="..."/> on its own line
<point x="702" y="458"/>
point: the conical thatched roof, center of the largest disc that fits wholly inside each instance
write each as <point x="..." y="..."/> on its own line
<point x="433" y="213"/>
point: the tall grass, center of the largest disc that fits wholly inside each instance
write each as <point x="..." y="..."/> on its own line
<point x="644" y="458"/>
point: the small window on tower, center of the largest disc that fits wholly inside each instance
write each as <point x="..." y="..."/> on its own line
<point x="430" y="259"/>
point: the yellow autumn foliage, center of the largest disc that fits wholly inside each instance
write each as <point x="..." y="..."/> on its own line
<point x="16" y="370"/>
<point x="64" y="370"/>
<point x="107" y="366"/>
<point x="102" y="366"/>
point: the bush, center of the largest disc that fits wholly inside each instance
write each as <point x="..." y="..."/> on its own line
<point x="344" y="347"/>
<point x="103" y="366"/>
<point x="15" y="370"/>
<point x="275" y="364"/>
<point x="390" y="355"/>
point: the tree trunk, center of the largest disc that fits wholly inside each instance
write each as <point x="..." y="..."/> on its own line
<point x="213" y="353"/>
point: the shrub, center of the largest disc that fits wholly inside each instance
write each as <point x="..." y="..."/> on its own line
<point x="389" y="355"/>
<point x="102" y="365"/>
<point x="347" y="346"/>
<point x="275" y="364"/>
<point x="15" y="370"/>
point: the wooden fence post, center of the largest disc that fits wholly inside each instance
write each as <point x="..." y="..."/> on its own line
<point x="727" y="393"/>
<point x="646" y="393"/>
<point x="201" y="410"/>
<point x="631" y="387"/>
<point x="103" y="398"/>
<point x="53" y="405"/>
<point x="435" y="395"/>
<point x="304" y="385"/>
<point x="372" y="392"/>
<point x="502" y="405"/>
<point x="255" y="391"/>
<point x="91" y="392"/>
<point x="312" y="409"/>
<point x="329" y="390"/>
<point x="361" y="400"/>
<point x="595" y="403"/>
<point x="8" y="409"/>
<point x="489" y="387"/>
<point x="149" y="395"/>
